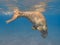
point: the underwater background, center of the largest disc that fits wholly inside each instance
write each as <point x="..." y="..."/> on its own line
<point x="19" y="32"/>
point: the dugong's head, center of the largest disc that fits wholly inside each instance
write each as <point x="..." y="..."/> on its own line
<point x="43" y="29"/>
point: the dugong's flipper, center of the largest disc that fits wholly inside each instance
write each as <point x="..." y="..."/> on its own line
<point x="34" y="27"/>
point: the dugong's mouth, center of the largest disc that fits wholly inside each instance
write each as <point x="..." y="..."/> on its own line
<point x="44" y="34"/>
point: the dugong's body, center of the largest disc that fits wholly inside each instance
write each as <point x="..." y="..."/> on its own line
<point x="36" y="17"/>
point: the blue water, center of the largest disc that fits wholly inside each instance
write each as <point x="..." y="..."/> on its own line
<point x="19" y="32"/>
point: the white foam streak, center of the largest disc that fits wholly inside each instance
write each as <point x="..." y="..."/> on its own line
<point x="7" y="13"/>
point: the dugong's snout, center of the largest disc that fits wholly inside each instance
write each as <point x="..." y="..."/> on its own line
<point x="43" y="30"/>
<point x="44" y="33"/>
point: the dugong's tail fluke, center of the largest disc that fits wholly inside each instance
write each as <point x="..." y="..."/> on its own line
<point x="16" y="14"/>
